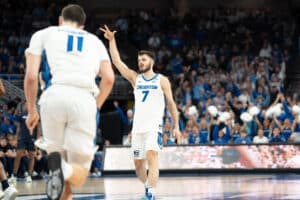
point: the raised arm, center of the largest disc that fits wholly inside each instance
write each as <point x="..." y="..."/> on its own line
<point x="258" y="122"/>
<point x="166" y="87"/>
<point x="280" y="126"/>
<point x="295" y="122"/>
<point x="125" y="71"/>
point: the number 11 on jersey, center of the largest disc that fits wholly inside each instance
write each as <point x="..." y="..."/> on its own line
<point x="71" y="41"/>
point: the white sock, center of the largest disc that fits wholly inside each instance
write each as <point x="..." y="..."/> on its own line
<point x="67" y="169"/>
<point x="146" y="184"/>
<point x="151" y="190"/>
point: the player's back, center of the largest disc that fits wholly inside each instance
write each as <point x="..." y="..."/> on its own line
<point x="73" y="55"/>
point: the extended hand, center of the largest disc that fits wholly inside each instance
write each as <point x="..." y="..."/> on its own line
<point x="32" y="121"/>
<point x="177" y="135"/>
<point x="108" y="34"/>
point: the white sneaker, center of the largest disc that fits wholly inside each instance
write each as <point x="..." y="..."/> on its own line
<point x="34" y="173"/>
<point x="10" y="193"/>
<point x="98" y="173"/>
<point x="12" y="180"/>
<point x="1" y="194"/>
<point x="28" y="179"/>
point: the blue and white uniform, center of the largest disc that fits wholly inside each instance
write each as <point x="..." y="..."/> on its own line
<point x="71" y="60"/>
<point x="148" y="116"/>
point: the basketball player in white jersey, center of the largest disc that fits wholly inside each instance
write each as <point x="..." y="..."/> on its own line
<point x="150" y="91"/>
<point x="68" y="106"/>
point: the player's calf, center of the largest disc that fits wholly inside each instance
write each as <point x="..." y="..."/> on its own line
<point x="79" y="175"/>
<point x="55" y="183"/>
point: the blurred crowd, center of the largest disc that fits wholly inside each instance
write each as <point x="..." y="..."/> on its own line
<point x="229" y="60"/>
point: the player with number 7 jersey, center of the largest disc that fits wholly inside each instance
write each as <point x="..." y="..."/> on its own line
<point x="149" y="104"/>
<point x="150" y="92"/>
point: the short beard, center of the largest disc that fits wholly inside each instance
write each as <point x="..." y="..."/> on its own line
<point x="146" y="69"/>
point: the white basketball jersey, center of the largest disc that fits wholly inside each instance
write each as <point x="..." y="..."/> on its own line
<point x="73" y="55"/>
<point x="149" y="104"/>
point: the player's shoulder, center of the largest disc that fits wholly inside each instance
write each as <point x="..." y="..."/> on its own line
<point x="164" y="81"/>
<point x="163" y="77"/>
<point x="93" y="36"/>
<point x="95" y="40"/>
<point x="44" y="31"/>
<point x="49" y="29"/>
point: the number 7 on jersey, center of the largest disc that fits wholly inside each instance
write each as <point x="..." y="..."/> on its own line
<point x="145" y="92"/>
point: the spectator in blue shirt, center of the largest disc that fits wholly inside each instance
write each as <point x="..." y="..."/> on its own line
<point x="222" y="138"/>
<point x="286" y="128"/>
<point x="194" y="135"/>
<point x="243" y="139"/>
<point x="235" y="133"/>
<point x="276" y="136"/>
<point x="204" y="130"/>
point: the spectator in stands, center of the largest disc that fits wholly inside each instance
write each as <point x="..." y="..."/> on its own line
<point x="204" y="130"/>
<point x="11" y="152"/>
<point x="265" y="126"/>
<point x="221" y="134"/>
<point x="260" y="138"/>
<point x="276" y="136"/>
<point x="7" y="127"/>
<point x="252" y="74"/>
<point x="25" y="146"/>
<point x="243" y="138"/>
<point x="40" y="165"/>
<point x="194" y="135"/>
<point x="184" y="138"/>
<point x="235" y="133"/>
<point x="3" y="150"/>
<point x="285" y="128"/>
<point x="154" y="41"/>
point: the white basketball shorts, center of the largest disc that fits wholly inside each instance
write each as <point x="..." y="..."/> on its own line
<point x="143" y="142"/>
<point x="68" y="118"/>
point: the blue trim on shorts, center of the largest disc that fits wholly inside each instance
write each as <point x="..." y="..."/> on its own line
<point x="160" y="140"/>
<point x="97" y="125"/>
<point x="45" y="70"/>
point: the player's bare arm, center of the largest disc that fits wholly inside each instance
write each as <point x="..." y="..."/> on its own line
<point x="31" y="89"/>
<point x="2" y="88"/>
<point x="107" y="81"/>
<point x="166" y="87"/>
<point x="125" y="71"/>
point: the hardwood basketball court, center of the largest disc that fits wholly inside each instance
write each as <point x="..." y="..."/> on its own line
<point x="219" y="186"/>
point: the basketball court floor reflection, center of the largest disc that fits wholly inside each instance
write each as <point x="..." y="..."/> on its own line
<point x="220" y="186"/>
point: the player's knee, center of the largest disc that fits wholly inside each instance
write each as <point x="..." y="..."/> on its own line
<point x="151" y="156"/>
<point x="139" y="164"/>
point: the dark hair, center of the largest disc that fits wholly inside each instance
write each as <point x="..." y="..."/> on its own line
<point x="74" y="13"/>
<point x="148" y="53"/>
